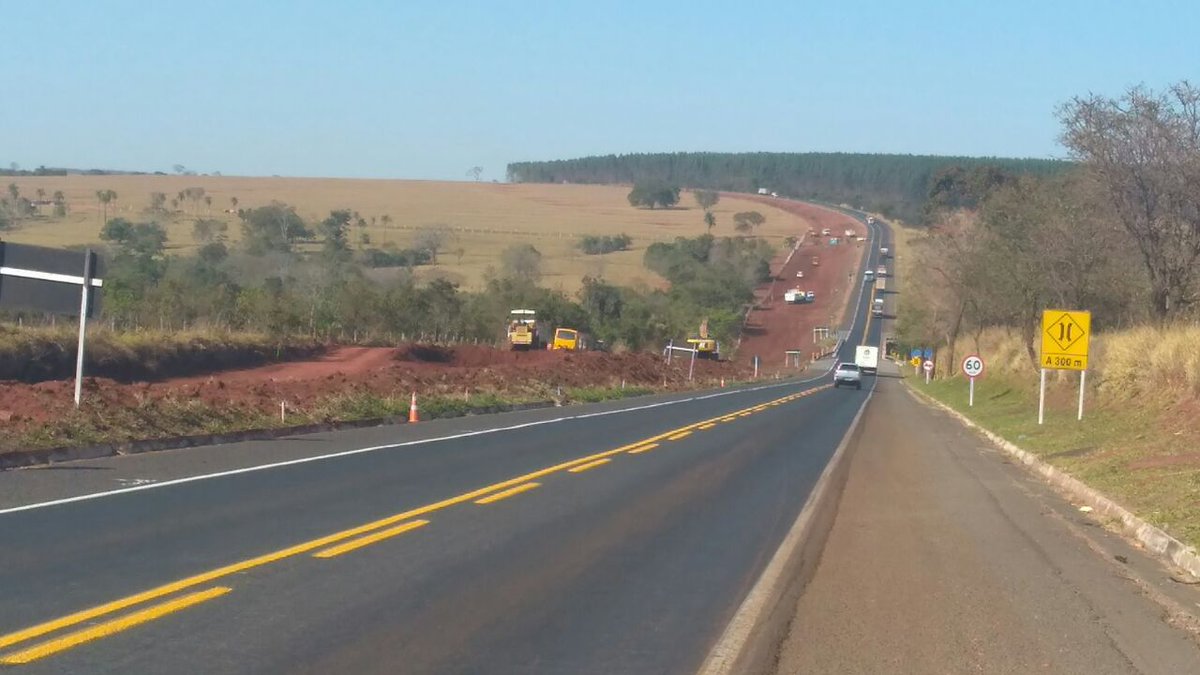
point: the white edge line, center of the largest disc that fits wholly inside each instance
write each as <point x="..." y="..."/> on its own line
<point x="376" y="448"/>
<point x="723" y="655"/>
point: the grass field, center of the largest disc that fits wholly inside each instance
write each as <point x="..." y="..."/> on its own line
<point x="486" y="217"/>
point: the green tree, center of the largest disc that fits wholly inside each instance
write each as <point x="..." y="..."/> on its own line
<point x="522" y="261"/>
<point x="158" y="202"/>
<point x="106" y="197"/>
<point x="334" y="232"/>
<point x="207" y="231"/>
<point x="1143" y="150"/>
<point x="275" y="227"/>
<point x="652" y="194"/>
<point x="706" y="199"/>
<point x="746" y="221"/>
<point x="432" y="239"/>
<point x="710" y="221"/>
<point x="60" y="204"/>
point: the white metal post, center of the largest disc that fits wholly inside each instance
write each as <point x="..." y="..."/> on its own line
<point x="756" y="367"/>
<point x="692" y="366"/>
<point x="1042" y="398"/>
<point x="84" y="306"/>
<point x="1082" y="382"/>
<point x="971" y="396"/>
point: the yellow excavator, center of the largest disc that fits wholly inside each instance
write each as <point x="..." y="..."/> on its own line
<point x="705" y="346"/>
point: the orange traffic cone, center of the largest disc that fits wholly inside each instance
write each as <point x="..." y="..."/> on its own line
<point x="413" y="416"/>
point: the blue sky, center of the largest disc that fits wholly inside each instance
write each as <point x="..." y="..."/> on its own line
<point x="429" y="89"/>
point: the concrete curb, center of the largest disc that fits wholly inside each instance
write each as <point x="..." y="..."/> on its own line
<point x="1153" y="538"/>
<point x="46" y="456"/>
<point x="752" y="637"/>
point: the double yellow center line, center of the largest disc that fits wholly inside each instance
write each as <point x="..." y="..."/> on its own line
<point x="329" y="546"/>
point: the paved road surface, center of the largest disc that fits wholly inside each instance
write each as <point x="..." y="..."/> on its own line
<point x="543" y="542"/>
<point x="945" y="558"/>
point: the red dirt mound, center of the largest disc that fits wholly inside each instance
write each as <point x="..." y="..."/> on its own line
<point x="773" y="327"/>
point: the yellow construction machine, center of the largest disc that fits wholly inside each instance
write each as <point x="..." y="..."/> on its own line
<point x="706" y="347"/>
<point x="523" y="330"/>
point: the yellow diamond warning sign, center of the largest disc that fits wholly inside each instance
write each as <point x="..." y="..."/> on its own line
<point x="1065" y="339"/>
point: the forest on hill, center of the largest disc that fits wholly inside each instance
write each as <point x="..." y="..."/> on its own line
<point x="894" y="185"/>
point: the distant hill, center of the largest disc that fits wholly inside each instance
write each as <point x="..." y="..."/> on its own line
<point x="895" y="185"/>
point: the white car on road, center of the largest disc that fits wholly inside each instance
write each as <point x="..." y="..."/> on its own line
<point x="847" y="374"/>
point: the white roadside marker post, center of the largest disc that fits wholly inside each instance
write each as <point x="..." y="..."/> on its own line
<point x="1082" y="381"/>
<point x="84" y="306"/>
<point x="1042" y="398"/>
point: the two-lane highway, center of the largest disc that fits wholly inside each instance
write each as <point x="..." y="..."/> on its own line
<point x="612" y="538"/>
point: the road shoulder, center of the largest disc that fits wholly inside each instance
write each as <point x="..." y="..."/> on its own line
<point x="945" y="557"/>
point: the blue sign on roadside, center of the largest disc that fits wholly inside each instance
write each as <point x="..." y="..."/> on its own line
<point x="916" y="353"/>
<point x="928" y="353"/>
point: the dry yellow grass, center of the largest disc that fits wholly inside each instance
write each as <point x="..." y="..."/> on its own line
<point x="486" y="217"/>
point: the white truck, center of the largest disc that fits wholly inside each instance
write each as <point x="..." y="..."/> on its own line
<point x="877" y="308"/>
<point x="867" y="358"/>
<point x="796" y="296"/>
<point x="883" y="251"/>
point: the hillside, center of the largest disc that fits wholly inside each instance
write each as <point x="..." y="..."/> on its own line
<point x="485" y="218"/>
<point x="895" y="185"/>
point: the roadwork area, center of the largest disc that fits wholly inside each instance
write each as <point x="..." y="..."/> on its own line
<point x="944" y="557"/>
<point x="773" y="326"/>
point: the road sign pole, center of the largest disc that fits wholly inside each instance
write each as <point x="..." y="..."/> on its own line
<point x="1042" y="398"/>
<point x="84" y="302"/>
<point x="692" y="365"/>
<point x="1082" y="382"/>
<point x="971" y="396"/>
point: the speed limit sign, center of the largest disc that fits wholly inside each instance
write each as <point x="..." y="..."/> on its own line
<point x="972" y="366"/>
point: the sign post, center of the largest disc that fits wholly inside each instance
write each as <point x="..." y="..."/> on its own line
<point x="928" y="370"/>
<point x="972" y="366"/>
<point x="45" y="280"/>
<point x="1065" y="338"/>
<point x="85" y="300"/>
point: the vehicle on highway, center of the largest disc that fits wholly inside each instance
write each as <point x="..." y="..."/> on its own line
<point x="883" y="251"/>
<point x="800" y="274"/>
<point x="848" y="374"/>
<point x="877" y="307"/>
<point x="826" y="232"/>
<point x="816" y="261"/>
<point x="867" y="358"/>
<point x="881" y="271"/>
<point x="869" y="276"/>
<point x="810" y="296"/>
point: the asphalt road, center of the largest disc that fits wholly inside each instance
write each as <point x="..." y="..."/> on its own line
<point x="606" y="539"/>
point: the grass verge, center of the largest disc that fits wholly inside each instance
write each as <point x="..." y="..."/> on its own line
<point x="176" y="417"/>
<point x="1144" y="453"/>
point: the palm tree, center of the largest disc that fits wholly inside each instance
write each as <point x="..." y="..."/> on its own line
<point x="105" y="196"/>
<point x="386" y="221"/>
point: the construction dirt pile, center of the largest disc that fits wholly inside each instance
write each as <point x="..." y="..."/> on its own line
<point x="424" y="369"/>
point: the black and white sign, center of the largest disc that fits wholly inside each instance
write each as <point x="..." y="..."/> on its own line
<point x="928" y="366"/>
<point x="972" y="366"/>
<point x="52" y="280"/>
<point x="41" y="279"/>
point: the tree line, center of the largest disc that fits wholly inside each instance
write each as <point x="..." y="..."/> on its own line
<point x="288" y="276"/>
<point x="894" y="185"/>
<point x="1118" y="235"/>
